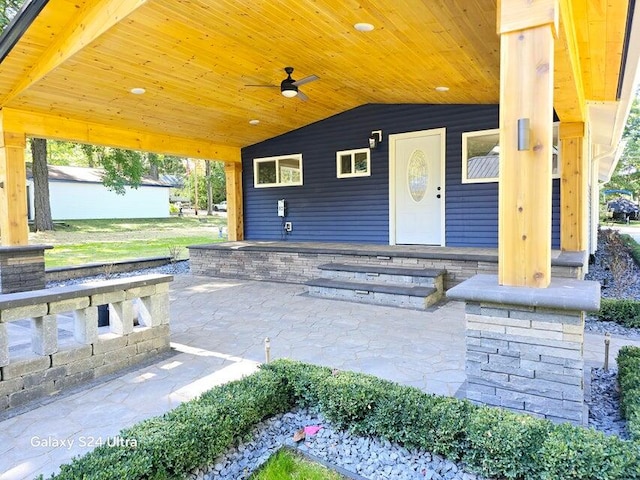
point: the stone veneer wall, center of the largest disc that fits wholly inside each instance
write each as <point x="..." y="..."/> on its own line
<point x="22" y="268"/>
<point x="524" y="345"/>
<point x="526" y="359"/>
<point x="56" y="362"/>
<point x="267" y="263"/>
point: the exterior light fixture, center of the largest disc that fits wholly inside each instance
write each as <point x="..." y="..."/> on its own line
<point x="363" y="27"/>
<point x="524" y="134"/>
<point x="375" y="139"/>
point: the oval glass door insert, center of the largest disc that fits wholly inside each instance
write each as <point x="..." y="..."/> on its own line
<point x="417" y="175"/>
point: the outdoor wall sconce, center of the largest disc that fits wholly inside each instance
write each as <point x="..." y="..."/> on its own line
<point x="375" y="139"/>
<point x="524" y="134"/>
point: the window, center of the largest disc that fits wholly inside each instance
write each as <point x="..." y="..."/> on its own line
<point x="481" y="160"/>
<point x="282" y="171"/>
<point x="353" y="163"/>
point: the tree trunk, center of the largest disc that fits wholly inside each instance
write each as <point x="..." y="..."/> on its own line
<point x="154" y="170"/>
<point x="42" y="207"/>
<point x="207" y="173"/>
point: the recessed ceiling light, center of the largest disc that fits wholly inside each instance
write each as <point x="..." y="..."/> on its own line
<point x="363" y="27"/>
<point x="442" y="89"/>
<point x="254" y="122"/>
<point x="138" y="90"/>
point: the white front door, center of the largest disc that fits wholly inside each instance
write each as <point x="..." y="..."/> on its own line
<point x="416" y="192"/>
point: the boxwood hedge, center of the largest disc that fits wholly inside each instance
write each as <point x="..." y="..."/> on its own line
<point x="629" y="381"/>
<point x="493" y="442"/>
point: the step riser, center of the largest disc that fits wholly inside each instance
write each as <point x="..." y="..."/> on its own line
<point x="436" y="282"/>
<point x="375" y="298"/>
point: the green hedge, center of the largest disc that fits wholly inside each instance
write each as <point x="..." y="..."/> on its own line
<point x="623" y="312"/>
<point x="632" y="246"/>
<point x="629" y="381"/>
<point x="491" y="441"/>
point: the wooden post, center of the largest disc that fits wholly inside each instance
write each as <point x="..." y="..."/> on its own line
<point x="574" y="218"/>
<point x="235" y="222"/>
<point x="14" y="228"/>
<point x="526" y="31"/>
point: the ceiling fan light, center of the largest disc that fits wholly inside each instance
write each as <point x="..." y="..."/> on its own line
<point x="289" y="92"/>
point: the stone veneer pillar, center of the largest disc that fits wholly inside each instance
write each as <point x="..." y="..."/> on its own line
<point x="524" y="345"/>
<point x="22" y="268"/>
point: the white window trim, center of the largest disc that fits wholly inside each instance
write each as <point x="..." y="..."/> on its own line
<point x="257" y="161"/>
<point x="479" y="133"/>
<point x="341" y="153"/>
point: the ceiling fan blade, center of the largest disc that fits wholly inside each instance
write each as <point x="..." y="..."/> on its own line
<point x="302" y="96"/>
<point x="304" y="80"/>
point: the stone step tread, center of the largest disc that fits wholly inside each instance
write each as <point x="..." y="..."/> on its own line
<point x="393" y="289"/>
<point x="383" y="269"/>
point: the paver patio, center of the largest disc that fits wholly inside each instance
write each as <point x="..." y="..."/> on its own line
<point x="218" y="328"/>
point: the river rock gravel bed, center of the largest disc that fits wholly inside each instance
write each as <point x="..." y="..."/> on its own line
<point x="371" y="458"/>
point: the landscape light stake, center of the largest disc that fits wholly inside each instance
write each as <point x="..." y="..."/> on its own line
<point x="607" y="342"/>
<point x="267" y="350"/>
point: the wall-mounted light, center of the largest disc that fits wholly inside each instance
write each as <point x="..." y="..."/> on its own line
<point x="524" y="134"/>
<point x="375" y="139"/>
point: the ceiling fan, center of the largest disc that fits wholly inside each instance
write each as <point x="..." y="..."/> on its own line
<point x="289" y="86"/>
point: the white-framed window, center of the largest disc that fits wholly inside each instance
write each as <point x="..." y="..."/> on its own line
<point x="280" y="171"/>
<point x="353" y="163"/>
<point x="481" y="155"/>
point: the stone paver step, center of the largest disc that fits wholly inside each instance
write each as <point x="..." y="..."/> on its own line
<point x="396" y="295"/>
<point x="384" y="274"/>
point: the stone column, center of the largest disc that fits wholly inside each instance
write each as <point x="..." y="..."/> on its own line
<point x="22" y="268"/>
<point x="524" y="345"/>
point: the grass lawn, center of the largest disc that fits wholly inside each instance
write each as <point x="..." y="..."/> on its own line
<point x="286" y="465"/>
<point x="77" y="242"/>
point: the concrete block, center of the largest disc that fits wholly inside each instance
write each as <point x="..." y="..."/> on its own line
<point x="162" y="343"/>
<point x="20" y="313"/>
<point x="25" y="367"/>
<point x="162" y="287"/>
<point x="7" y="387"/>
<point x="115" y="356"/>
<point x="534" y="334"/>
<point x="44" y="335"/>
<point x="140" y="292"/>
<point x="70" y="355"/>
<point x="472" y="308"/>
<point x="109" y="297"/>
<point x="74" y="380"/>
<point x="85" y="325"/>
<point x="573" y="329"/>
<point x="493" y="320"/>
<point x="572" y="354"/>
<point x="142" y="334"/>
<point x="29" y="395"/>
<point x="571" y="337"/>
<point x="486" y="327"/>
<point x="108" y="343"/>
<point x="88" y="364"/>
<point x="121" y="317"/>
<point x="4" y="345"/>
<point x="479" y="357"/>
<point x="4" y="402"/>
<point x="497" y="359"/>
<point x="548" y="317"/>
<point x="113" y="367"/>
<point x="542" y="366"/>
<point x="557" y="327"/>
<point x="492" y="311"/>
<point x="46" y="376"/>
<point x="554" y="377"/>
<point x="68" y="305"/>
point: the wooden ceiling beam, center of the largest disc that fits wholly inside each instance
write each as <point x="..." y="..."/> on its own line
<point x="569" y="93"/>
<point x="41" y="125"/>
<point x="95" y="18"/>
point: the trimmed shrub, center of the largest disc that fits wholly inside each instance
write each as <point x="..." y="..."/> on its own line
<point x="629" y="381"/>
<point x="502" y="443"/>
<point x="624" y="312"/>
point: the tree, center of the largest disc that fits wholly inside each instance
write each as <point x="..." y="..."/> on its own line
<point x="40" y="171"/>
<point x="627" y="173"/>
<point x="8" y="10"/>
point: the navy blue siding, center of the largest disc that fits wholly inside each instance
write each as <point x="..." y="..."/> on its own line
<point x="328" y="209"/>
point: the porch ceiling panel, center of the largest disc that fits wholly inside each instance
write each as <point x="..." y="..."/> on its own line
<point x="195" y="58"/>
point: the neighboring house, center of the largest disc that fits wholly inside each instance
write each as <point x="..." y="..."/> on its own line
<point x="78" y="193"/>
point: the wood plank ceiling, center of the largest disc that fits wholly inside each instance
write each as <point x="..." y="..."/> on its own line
<point x="195" y="58"/>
